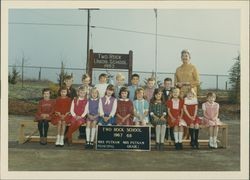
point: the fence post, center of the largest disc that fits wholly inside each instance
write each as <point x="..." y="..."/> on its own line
<point x="39" y="75"/>
<point x="217" y="81"/>
<point x="226" y="86"/>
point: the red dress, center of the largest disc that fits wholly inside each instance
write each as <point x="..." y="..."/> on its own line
<point x="175" y="108"/>
<point x="123" y="109"/>
<point x="45" y="107"/>
<point x="190" y="105"/>
<point x="62" y="105"/>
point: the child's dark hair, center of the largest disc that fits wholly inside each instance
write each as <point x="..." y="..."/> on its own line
<point x="68" y="77"/>
<point x="85" y="76"/>
<point x="63" y="87"/>
<point x="150" y="79"/>
<point x="123" y="89"/>
<point x="102" y="75"/>
<point x="135" y="75"/>
<point x="46" y="90"/>
<point x="111" y="87"/>
<point x="211" y="94"/>
<point x="156" y="91"/>
<point x="167" y="79"/>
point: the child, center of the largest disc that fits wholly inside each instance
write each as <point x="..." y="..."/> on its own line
<point x="85" y="82"/>
<point x="141" y="107"/>
<point x="167" y="91"/>
<point x="71" y="92"/>
<point x="191" y="118"/>
<point x="92" y="118"/>
<point x="78" y="110"/>
<point x="175" y="113"/>
<point x="211" y="112"/>
<point x="102" y="86"/>
<point x="61" y="114"/>
<point x="149" y="90"/>
<point x="44" y="114"/>
<point x="134" y="85"/>
<point x="119" y="83"/>
<point x="107" y="107"/>
<point x="125" y="109"/>
<point x="158" y="114"/>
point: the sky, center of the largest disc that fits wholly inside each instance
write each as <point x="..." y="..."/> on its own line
<point x="48" y="36"/>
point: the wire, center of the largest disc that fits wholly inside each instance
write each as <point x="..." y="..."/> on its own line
<point x="126" y="30"/>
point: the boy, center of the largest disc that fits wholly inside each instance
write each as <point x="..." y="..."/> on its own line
<point x="134" y="85"/>
<point x="167" y="91"/>
<point x="150" y="89"/>
<point x="102" y="86"/>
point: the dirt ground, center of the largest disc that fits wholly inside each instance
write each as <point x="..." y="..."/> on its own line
<point x="34" y="157"/>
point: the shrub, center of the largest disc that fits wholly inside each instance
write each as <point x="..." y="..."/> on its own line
<point x="14" y="76"/>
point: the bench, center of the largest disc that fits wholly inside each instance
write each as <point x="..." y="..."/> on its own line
<point x="31" y="137"/>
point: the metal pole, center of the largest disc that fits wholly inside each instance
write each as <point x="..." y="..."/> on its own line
<point x="87" y="62"/>
<point x="156" y="61"/>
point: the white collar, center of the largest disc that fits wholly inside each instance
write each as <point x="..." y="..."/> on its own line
<point x="124" y="99"/>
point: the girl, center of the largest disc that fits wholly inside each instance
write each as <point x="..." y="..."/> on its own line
<point x="44" y="114"/>
<point x="141" y="107"/>
<point x="107" y="107"/>
<point x="211" y="112"/>
<point x="78" y="110"/>
<point x="158" y="114"/>
<point x="92" y="118"/>
<point x="119" y="83"/>
<point x="175" y="113"/>
<point x="61" y="114"/>
<point x="125" y="109"/>
<point x="191" y="118"/>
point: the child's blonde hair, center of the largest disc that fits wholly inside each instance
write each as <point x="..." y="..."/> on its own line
<point x="138" y="90"/>
<point x="92" y="90"/>
<point x="191" y="90"/>
<point x="120" y="76"/>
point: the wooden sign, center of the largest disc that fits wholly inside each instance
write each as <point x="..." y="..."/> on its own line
<point x="123" y="138"/>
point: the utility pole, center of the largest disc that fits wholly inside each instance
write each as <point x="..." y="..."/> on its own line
<point x="156" y="61"/>
<point x="88" y="26"/>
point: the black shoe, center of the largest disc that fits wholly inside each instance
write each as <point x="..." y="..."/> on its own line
<point x="196" y="145"/>
<point x="157" y="146"/>
<point x="192" y="143"/>
<point x="87" y="145"/>
<point x="161" y="147"/>
<point x="91" y="145"/>
<point x="177" y="146"/>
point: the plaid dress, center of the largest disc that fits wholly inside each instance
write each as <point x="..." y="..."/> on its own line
<point x="157" y="109"/>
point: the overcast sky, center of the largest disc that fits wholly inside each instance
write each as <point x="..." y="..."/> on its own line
<point x="212" y="36"/>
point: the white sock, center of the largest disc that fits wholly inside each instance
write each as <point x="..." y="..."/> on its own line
<point x="163" y="132"/>
<point x="61" y="140"/>
<point x="215" y="142"/>
<point x="211" y="143"/>
<point x="87" y="134"/>
<point x="180" y="136"/>
<point x="57" y="140"/>
<point x="92" y="134"/>
<point x="157" y="133"/>
<point x="176" y="139"/>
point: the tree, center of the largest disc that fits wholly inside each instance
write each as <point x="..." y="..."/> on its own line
<point x="14" y="76"/>
<point x="234" y="80"/>
<point x="62" y="75"/>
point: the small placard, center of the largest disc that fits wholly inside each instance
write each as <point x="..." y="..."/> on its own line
<point x="123" y="138"/>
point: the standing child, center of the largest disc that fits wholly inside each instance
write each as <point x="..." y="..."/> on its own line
<point x="175" y="113"/>
<point x="141" y="107"/>
<point x="149" y="90"/>
<point x="78" y="110"/>
<point x="191" y="118"/>
<point x="107" y="107"/>
<point x="85" y="83"/>
<point x="61" y="114"/>
<point x="125" y="109"/>
<point x="92" y="118"/>
<point x="211" y="112"/>
<point x="158" y="112"/>
<point x="134" y="85"/>
<point x="119" y="83"/>
<point x="167" y="91"/>
<point x="44" y="114"/>
<point x="102" y="86"/>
